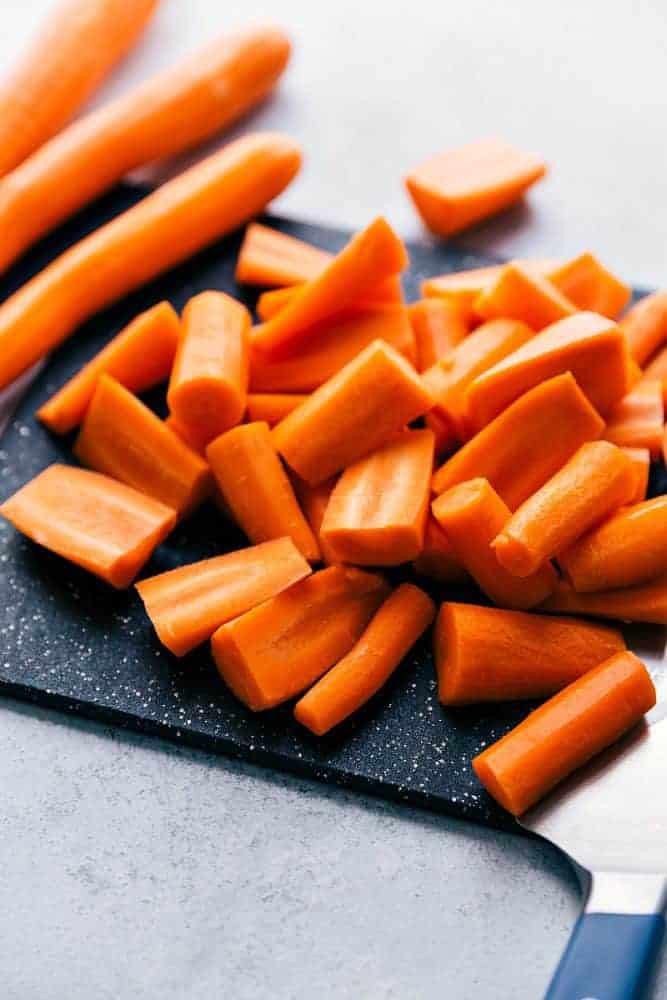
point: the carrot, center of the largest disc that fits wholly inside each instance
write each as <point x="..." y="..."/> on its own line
<point x="461" y="288"/>
<point x="456" y="189"/>
<point x="656" y="370"/>
<point x="103" y="526"/>
<point x="645" y="326"/>
<point x="634" y="373"/>
<point x="638" y="418"/>
<point x="388" y="292"/>
<point x="645" y="602"/>
<point x="187" y="604"/>
<point x="165" y="228"/>
<point x="165" y="116"/>
<point x="275" y="651"/>
<point x="597" y="480"/>
<point x="139" y="357"/>
<point x="389" y="636"/>
<point x="437" y="560"/>
<point x="76" y="49"/>
<point x="187" y="434"/>
<point x="269" y="257"/>
<point x="448" y="379"/>
<point x="564" y="733"/>
<point x="256" y="489"/>
<point x="527" y="443"/>
<point x="313" y="501"/>
<point x="589" y="285"/>
<point x="641" y="461"/>
<point x="372" y="255"/>
<point x="337" y="342"/>
<point x="377" y="510"/>
<point x="590" y="346"/>
<point x="487" y="654"/>
<point x="272" y="406"/>
<point x="445" y="433"/>
<point x="472" y="515"/>
<point x="352" y="414"/>
<point x="521" y="293"/>
<point x="438" y="328"/>
<point x="628" y="548"/>
<point x="122" y="438"/>
<point x="270" y="303"/>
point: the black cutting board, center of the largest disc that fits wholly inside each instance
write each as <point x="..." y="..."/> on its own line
<point x="69" y="641"/>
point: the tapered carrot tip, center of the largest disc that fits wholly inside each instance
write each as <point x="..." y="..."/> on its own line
<point x="567" y="731"/>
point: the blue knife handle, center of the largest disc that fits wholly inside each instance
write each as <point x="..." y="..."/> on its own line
<point x="610" y="957"/>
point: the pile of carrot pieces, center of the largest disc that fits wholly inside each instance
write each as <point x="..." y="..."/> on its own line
<point x="499" y="431"/>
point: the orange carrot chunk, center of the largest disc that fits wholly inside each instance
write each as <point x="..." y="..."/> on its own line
<point x="188" y="435"/>
<point x="523" y="447"/>
<point x="656" y="371"/>
<point x="487" y="654"/>
<point x="209" y="381"/>
<point x="637" y="420"/>
<point x="438" y="327"/>
<point x="389" y="636"/>
<point x="520" y="292"/>
<point x="272" y="407"/>
<point x="597" y="480"/>
<point x="564" y="733"/>
<point x="103" y="526"/>
<point x="123" y="439"/>
<point x="280" y="648"/>
<point x="139" y="357"/>
<point x="456" y="189"/>
<point x="628" y="548"/>
<point x="374" y="254"/>
<point x="460" y="289"/>
<point x="352" y="414"/>
<point x="472" y="515"/>
<point x="445" y="434"/>
<point x="377" y="511"/>
<point x="589" y="285"/>
<point x="437" y="559"/>
<point x="388" y="292"/>
<point x="269" y="257"/>
<point x="645" y="326"/>
<point x="645" y="602"/>
<point x="641" y="461"/>
<point x="186" y="605"/>
<point x="590" y="346"/>
<point x="256" y="489"/>
<point x="314" y="501"/>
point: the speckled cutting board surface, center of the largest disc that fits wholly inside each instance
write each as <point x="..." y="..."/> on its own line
<point x="69" y="641"/>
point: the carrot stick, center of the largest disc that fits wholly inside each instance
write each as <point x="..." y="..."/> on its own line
<point x="597" y="480"/>
<point x="389" y="636"/>
<point x="461" y="288"/>
<point x="352" y="414"/>
<point x="167" y="115"/>
<point x="388" y="292"/>
<point x="372" y="255"/>
<point x="256" y="489"/>
<point x="269" y="257"/>
<point x="560" y="736"/>
<point x="313" y="501"/>
<point x="656" y="370"/>
<point x="186" y="605"/>
<point x="519" y="292"/>
<point x="645" y="602"/>
<point x="103" y="526"/>
<point x="445" y="433"/>
<point x="275" y="651"/>
<point x="272" y="407"/>
<point x="645" y="326"/>
<point x="170" y="225"/>
<point x="77" y="47"/>
<point x="187" y="434"/>
<point x="589" y="285"/>
<point x="438" y="328"/>
<point x="270" y="303"/>
<point x="122" y="438"/>
<point x="487" y="654"/>
<point x="526" y="444"/>
<point x="590" y="346"/>
<point x="337" y="342"/>
<point x="437" y="560"/>
<point x="472" y="515"/>
<point x="637" y="420"/>
<point x="641" y="461"/>
<point x="139" y="357"/>
<point x="456" y="189"/>
<point x="377" y="511"/>
<point x="628" y="548"/>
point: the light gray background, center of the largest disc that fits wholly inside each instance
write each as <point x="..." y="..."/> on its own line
<point x="135" y="869"/>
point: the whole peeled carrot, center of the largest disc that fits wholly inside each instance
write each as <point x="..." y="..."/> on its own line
<point x="181" y="217"/>
<point x="164" y="116"/>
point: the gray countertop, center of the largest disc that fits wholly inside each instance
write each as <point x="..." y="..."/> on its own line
<point x="136" y="869"/>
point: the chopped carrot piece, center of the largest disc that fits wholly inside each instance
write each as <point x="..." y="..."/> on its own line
<point x="598" y="479"/>
<point x="564" y="733"/>
<point x="123" y="439"/>
<point x="187" y="604"/>
<point x="277" y="650"/>
<point x="445" y="433"/>
<point x="590" y="346"/>
<point x="488" y="654"/>
<point x="270" y="303"/>
<point x="641" y="461"/>
<point x="337" y="342"/>
<point x="377" y="511"/>
<point x="438" y="328"/>
<point x="437" y="560"/>
<point x="139" y="357"/>
<point x="520" y="292"/>
<point x="645" y="602"/>
<point x="269" y="257"/>
<point x="352" y="414"/>
<point x="472" y="515"/>
<point x="456" y="189"/>
<point x="388" y="292"/>
<point x="589" y="285"/>
<point x="256" y="489"/>
<point x="638" y="419"/>
<point x="461" y="288"/>
<point x="373" y="255"/>
<point x="656" y="370"/>
<point x="314" y="501"/>
<point x="628" y="548"/>
<point x="209" y="381"/>
<point x="645" y="326"/>
<point x="635" y="373"/>
<point x="103" y="526"/>
<point x="188" y="435"/>
<point x="272" y="407"/>
<point x="527" y="443"/>
<point x="389" y="636"/>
